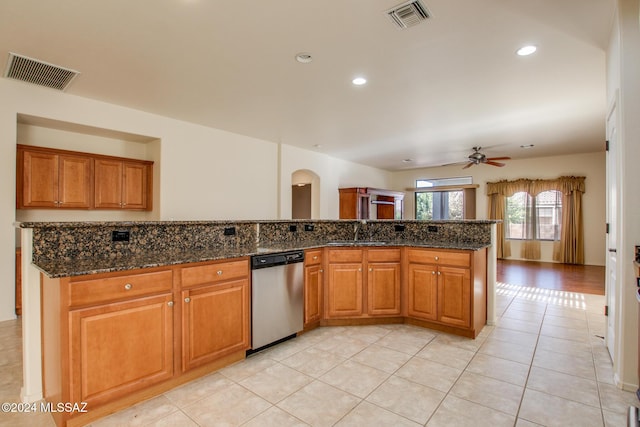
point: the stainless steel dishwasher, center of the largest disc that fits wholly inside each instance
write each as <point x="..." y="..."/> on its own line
<point x="277" y="285"/>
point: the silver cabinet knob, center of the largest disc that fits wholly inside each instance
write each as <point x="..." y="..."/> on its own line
<point x="187" y="299"/>
<point x="170" y="303"/>
<point x="219" y="273"/>
<point x="321" y="271"/>
<point x="315" y="257"/>
<point x="438" y="273"/>
<point x="433" y="273"/>
<point x="128" y="286"/>
<point x="437" y="258"/>
<point x="370" y="269"/>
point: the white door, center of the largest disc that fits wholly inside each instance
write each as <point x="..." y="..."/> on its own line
<point x="612" y="212"/>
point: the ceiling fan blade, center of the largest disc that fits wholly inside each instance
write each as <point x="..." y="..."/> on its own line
<point x="468" y="165"/>
<point x="498" y="158"/>
<point x="489" y="162"/>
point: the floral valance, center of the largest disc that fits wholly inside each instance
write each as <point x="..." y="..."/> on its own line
<point x="564" y="184"/>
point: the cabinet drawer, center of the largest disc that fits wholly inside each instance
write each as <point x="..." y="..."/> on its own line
<point x="383" y="255"/>
<point x="212" y="273"/>
<point x="428" y="256"/>
<point x="94" y="291"/>
<point x="313" y="257"/>
<point x="345" y="255"/>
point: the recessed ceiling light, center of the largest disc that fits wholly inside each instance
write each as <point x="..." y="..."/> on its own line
<point x="526" y="50"/>
<point x="317" y="146"/>
<point x="359" y="81"/>
<point x="527" y="146"/>
<point x="304" y="57"/>
<point x="407" y="160"/>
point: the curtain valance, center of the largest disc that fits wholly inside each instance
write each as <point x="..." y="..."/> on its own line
<point x="564" y="184"/>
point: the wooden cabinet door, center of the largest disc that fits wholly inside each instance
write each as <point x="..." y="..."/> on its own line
<point x="134" y="187"/>
<point x="108" y="184"/>
<point x="119" y="348"/>
<point x="312" y="294"/>
<point x="215" y="322"/>
<point x="344" y="290"/>
<point x="383" y="289"/>
<point x="454" y="296"/>
<point x="75" y="182"/>
<point x="39" y="179"/>
<point x="423" y="291"/>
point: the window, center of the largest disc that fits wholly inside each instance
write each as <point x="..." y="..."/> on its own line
<point x="448" y="203"/>
<point x="533" y="218"/>
<point x="439" y="205"/>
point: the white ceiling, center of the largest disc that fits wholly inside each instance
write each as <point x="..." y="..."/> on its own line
<point x="434" y="90"/>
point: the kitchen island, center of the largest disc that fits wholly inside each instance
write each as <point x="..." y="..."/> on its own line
<point x="164" y="265"/>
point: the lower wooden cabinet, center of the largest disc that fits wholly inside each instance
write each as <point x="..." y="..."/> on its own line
<point x="119" y="348"/>
<point x="351" y="293"/>
<point x="313" y="281"/>
<point x="215" y="322"/>
<point x="383" y="282"/>
<point x="447" y="288"/>
<point x="422" y="292"/>
<point x="109" y="336"/>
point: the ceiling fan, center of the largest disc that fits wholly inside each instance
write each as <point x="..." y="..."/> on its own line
<point x="477" y="157"/>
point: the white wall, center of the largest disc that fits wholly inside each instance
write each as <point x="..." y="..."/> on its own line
<point x="591" y="165"/>
<point x="201" y="173"/>
<point x="333" y="174"/>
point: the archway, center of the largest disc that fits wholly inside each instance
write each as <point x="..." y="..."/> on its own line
<point x="305" y="194"/>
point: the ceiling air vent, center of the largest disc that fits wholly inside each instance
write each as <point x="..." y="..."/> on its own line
<point x="409" y="14"/>
<point x="37" y="72"/>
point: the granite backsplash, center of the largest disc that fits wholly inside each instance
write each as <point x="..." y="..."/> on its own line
<point x="78" y="241"/>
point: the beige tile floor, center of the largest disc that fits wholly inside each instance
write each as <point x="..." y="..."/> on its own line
<point x="544" y="364"/>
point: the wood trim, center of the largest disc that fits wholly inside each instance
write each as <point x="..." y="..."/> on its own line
<point x="443" y="188"/>
<point x="79" y="153"/>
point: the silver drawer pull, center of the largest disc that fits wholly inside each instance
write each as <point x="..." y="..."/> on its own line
<point x="128" y="286"/>
<point x="219" y="273"/>
<point x="187" y="299"/>
<point x="170" y="303"/>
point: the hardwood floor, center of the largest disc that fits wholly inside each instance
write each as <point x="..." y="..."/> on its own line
<point x="588" y="279"/>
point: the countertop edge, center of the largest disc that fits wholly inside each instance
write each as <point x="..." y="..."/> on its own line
<point x="56" y="269"/>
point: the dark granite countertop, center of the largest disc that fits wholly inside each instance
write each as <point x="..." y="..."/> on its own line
<point x="78" y="267"/>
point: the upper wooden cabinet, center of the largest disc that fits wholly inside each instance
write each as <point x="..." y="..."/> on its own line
<point x="122" y="184"/>
<point x="50" y="178"/>
<point x="371" y="203"/>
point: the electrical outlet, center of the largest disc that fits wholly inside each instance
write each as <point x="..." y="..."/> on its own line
<point x="399" y="228"/>
<point x="120" y="236"/>
<point x="293" y="228"/>
<point x="230" y="231"/>
<point x="432" y="228"/>
<point x="308" y="227"/>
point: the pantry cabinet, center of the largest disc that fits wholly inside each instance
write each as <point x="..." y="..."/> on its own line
<point x="313" y="275"/>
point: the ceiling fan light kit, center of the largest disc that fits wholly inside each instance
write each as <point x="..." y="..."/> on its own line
<point x="477" y="157"/>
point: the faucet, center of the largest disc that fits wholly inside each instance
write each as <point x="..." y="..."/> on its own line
<point x="357" y="229"/>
